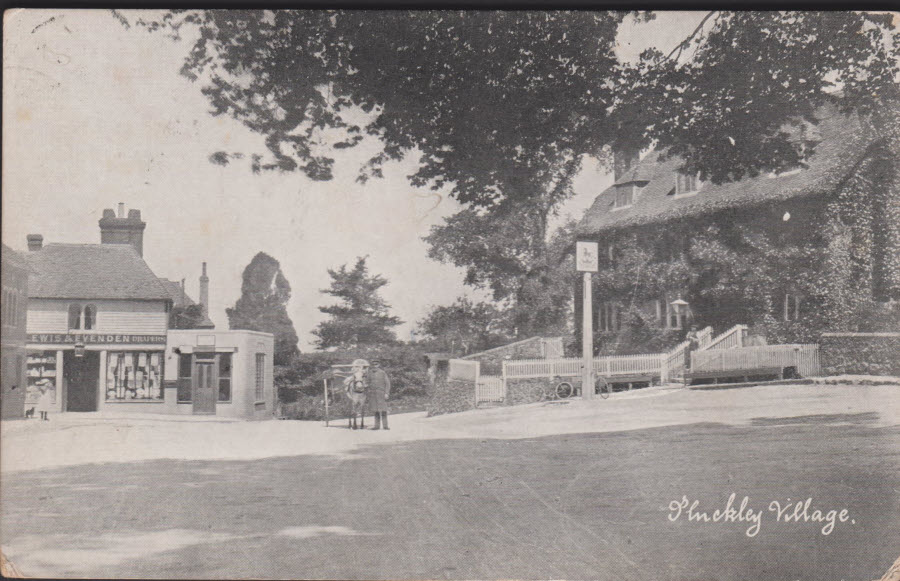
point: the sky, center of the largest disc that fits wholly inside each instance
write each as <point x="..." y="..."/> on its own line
<point x="95" y="114"/>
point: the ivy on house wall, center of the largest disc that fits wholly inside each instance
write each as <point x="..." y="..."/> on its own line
<point x="838" y="252"/>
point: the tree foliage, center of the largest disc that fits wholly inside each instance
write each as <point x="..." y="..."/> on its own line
<point x="361" y="317"/>
<point x="262" y="306"/>
<point x="186" y="317"/>
<point x="464" y="327"/>
<point x="726" y="98"/>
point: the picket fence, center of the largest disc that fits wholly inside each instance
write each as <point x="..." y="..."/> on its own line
<point x="571" y="366"/>
<point x="723" y="352"/>
<point x="804" y="357"/>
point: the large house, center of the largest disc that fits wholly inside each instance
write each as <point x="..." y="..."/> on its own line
<point x="98" y="335"/>
<point x="792" y="254"/>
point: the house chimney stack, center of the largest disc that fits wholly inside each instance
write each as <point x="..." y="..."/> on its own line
<point x="204" y="301"/>
<point x="35" y="242"/>
<point x="119" y="229"/>
<point x="624" y="160"/>
<point x="204" y="292"/>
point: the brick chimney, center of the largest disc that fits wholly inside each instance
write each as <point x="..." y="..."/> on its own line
<point x="624" y="160"/>
<point x="204" y="301"/>
<point x="35" y="242"/>
<point x="119" y="229"/>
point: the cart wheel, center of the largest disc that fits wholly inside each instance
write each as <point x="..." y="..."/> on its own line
<point x="603" y="387"/>
<point x="564" y="390"/>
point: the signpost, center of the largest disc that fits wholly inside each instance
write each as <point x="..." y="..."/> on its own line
<point x="586" y="254"/>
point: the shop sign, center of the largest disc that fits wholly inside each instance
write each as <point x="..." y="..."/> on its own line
<point x="95" y="338"/>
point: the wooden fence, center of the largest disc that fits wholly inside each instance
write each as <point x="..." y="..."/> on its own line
<point x="804" y="357"/>
<point x="730" y="339"/>
<point x="571" y="366"/>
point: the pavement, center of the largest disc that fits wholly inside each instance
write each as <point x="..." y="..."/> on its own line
<point x="562" y="490"/>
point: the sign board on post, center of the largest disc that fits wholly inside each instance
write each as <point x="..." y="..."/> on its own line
<point x="586" y="259"/>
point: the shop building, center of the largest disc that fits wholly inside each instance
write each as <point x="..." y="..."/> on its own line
<point x="98" y="335"/>
<point x="15" y="306"/>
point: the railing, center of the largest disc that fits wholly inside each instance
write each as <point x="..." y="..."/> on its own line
<point x="489" y="388"/>
<point x="464" y="370"/>
<point x="804" y="357"/>
<point x="730" y="339"/>
<point x="705" y="337"/>
<point x="571" y="366"/>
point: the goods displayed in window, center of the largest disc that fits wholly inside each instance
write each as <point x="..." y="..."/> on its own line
<point x="41" y="374"/>
<point x="134" y="376"/>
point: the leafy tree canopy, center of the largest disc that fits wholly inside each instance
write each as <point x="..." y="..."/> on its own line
<point x="464" y="327"/>
<point x="263" y="306"/>
<point x="500" y="103"/>
<point x="186" y="317"/>
<point x="361" y="317"/>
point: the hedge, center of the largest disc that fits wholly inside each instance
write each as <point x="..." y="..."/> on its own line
<point x="860" y="353"/>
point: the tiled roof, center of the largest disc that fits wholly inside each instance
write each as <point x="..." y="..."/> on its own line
<point x="12" y="257"/>
<point x="176" y="293"/>
<point x="91" y="271"/>
<point x="843" y="145"/>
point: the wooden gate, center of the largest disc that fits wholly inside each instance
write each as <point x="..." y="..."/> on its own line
<point x="489" y="389"/>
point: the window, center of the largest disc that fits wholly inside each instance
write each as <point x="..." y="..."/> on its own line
<point x="90" y="317"/>
<point x="624" y="196"/>
<point x="791" y="307"/>
<point x="608" y="317"/>
<point x="134" y="376"/>
<point x="185" y="362"/>
<point x="260" y="376"/>
<point x="74" y="316"/>
<point x="224" y="377"/>
<point x="686" y="184"/>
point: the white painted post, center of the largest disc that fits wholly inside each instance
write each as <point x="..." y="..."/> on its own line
<point x="586" y="261"/>
<point x="587" y="342"/>
<point x="325" y="390"/>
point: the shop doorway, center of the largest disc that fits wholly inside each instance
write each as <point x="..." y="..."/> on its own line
<point x="204" y="385"/>
<point x="82" y="376"/>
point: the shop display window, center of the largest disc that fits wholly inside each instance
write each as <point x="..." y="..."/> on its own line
<point x="134" y="376"/>
<point x="41" y="371"/>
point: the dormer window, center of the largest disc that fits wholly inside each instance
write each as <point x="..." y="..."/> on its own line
<point x="624" y="196"/>
<point x="686" y="184"/>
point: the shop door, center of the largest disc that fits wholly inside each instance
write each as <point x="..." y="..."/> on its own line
<point x="82" y="376"/>
<point x="204" y="386"/>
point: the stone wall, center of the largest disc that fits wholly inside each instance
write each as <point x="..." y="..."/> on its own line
<point x="533" y="389"/>
<point x="451" y="395"/>
<point x="860" y="353"/>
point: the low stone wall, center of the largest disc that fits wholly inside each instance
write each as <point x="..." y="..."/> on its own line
<point x="451" y="395"/>
<point x="860" y="353"/>
<point x="532" y="389"/>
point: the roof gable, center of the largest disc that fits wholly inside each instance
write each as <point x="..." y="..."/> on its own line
<point x="91" y="271"/>
<point x="843" y="145"/>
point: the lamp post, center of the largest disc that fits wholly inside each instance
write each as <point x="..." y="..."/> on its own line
<point x="586" y="261"/>
<point x="680" y="306"/>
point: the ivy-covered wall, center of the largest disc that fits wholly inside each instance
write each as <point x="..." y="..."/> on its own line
<point x="839" y="251"/>
<point x="860" y="353"/>
<point x="451" y="395"/>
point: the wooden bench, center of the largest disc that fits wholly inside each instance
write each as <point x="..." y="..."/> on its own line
<point x="631" y="379"/>
<point x="740" y="374"/>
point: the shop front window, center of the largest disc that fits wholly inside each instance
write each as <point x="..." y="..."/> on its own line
<point x="41" y="372"/>
<point x="260" y="386"/>
<point x="185" y="360"/>
<point x="224" y="377"/>
<point x="134" y="376"/>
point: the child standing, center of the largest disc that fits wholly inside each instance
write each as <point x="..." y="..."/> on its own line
<point x="43" y="404"/>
